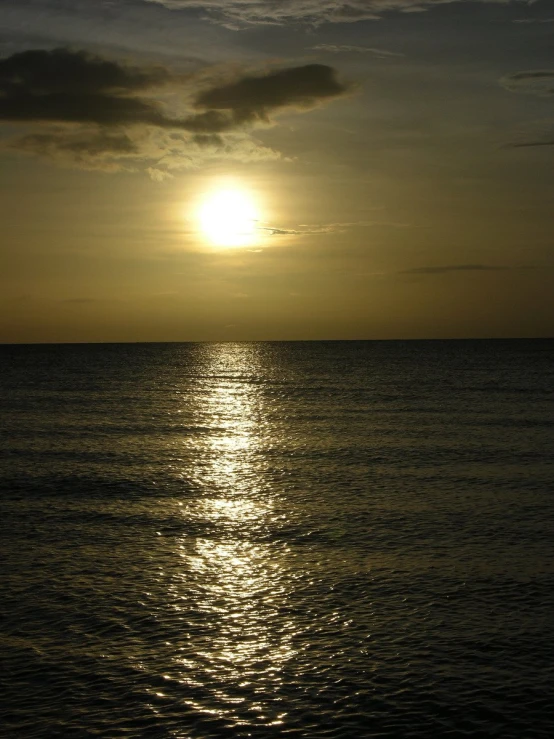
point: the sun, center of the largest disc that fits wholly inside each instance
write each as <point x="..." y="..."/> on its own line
<point x="228" y="218"/>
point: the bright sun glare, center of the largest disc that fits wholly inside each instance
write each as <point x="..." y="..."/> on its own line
<point x="228" y="218"/>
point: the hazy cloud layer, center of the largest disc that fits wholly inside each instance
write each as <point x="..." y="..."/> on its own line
<point x="533" y="82"/>
<point x="240" y="13"/>
<point x="98" y="113"/>
<point x="86" y="147"/>
<point x="157" y="152"/>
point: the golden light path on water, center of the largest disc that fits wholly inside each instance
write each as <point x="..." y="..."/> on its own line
<point x="235" y="575"/>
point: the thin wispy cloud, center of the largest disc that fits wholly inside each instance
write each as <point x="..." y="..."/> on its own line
<point x="237" y="14"/>
<point x="540" y="83"/>
<point x="305" y="229"/>
<point x="532" y="82"/>
<point x="531" y="134"/>
<point x="309" y="229"/>
<point x="529" y="21"/>
<point x="530" y="144"/>
<point x="348" y="49"/>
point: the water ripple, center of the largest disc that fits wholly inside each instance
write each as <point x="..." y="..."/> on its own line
<point x="266" y="540"/>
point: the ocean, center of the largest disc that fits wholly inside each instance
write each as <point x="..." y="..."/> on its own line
<point x="304" y="539"/>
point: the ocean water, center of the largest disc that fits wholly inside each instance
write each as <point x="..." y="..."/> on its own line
<point x="320" y="539"/>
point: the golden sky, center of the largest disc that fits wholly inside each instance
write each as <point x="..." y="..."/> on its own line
<point x="177" y="170"/>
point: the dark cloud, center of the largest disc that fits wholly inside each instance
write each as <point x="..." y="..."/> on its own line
<point x="533" y="82"/>
<point x="93" y="112"/>
<point x="105" y="110"/>
<point x="452" y="268"/>
<point x="75" y="87"/>
<point x="43" y="72"/>
<point x="251" y="99"/>
<point x="254" y="97"/>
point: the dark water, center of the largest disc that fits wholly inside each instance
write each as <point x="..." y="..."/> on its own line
<point x="342" y="539"/>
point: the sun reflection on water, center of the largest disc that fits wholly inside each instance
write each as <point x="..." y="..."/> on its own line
<point x="235" y="575"/>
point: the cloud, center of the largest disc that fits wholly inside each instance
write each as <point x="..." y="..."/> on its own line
<point x="533" y="20"/>
<point x="254" y="97"/>
<point x="346" y="48"/>
<point x="532" y="134"/>
<point x="309" y="229"/>
<point x="84" y="147"/>
<point x="158" y="175"/>
<point x="237" y="14"/>
<point x="159" y="153"/>
<point x="87" y="111"/>
<point x="41" y="72"/>
<point x="452" y="268"/>
<point x="76" y="87"/>
<point x="533" y="82"/>
<point x="526" y="144"/>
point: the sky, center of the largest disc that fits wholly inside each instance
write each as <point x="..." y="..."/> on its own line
<point x="235" y="170"/>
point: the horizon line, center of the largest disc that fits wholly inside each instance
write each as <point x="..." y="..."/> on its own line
<point x="272" y="341"/>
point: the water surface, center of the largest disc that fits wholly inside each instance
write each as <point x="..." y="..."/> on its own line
<point x="325" y="539"/>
